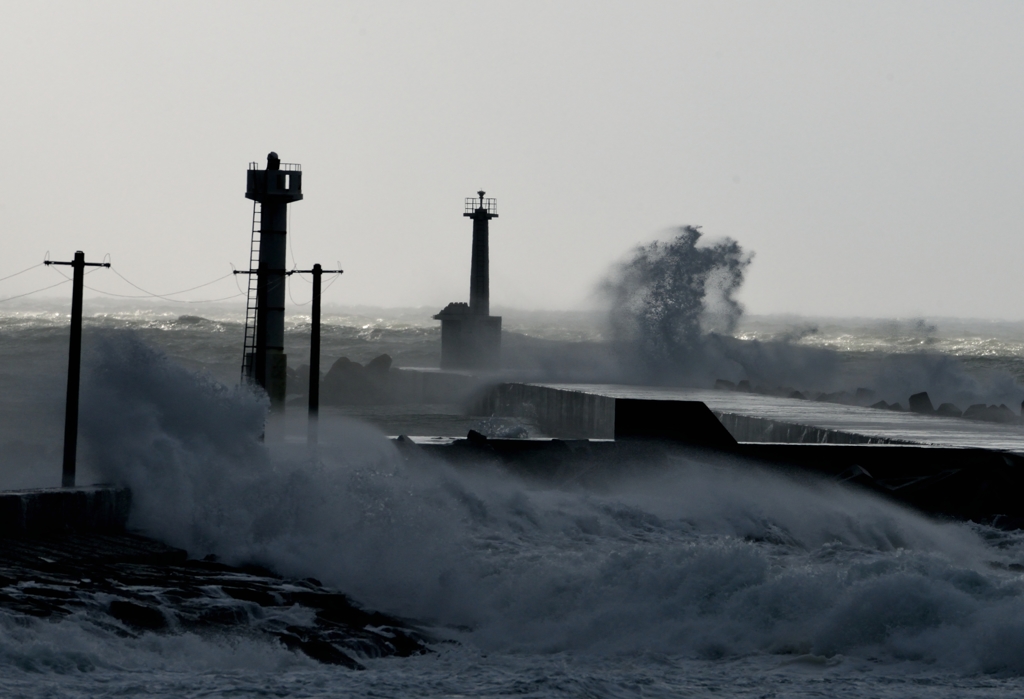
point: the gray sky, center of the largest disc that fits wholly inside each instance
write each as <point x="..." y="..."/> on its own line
<point x="870" y="154"/>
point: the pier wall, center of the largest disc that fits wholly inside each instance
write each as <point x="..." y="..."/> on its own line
<point x="54" y="510"/>
<point x="569" y="414"/>
<point x="745" y="428"/>
<point x="558" y="413"/>
<point x="411" y="385"/>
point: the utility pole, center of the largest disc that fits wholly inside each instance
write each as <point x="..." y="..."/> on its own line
<point x="313" y="425"/>
<point x="78" y="266"/>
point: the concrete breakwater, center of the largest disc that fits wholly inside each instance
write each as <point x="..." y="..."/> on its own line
<point x="585" y="414"/>
<point x="588" y="411"/>
<point x="746" y="428"/>
<point x="54" y="510"/>
<point x="378" y="383"/>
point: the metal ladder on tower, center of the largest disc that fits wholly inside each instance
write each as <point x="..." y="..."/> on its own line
<point x="249" y="349"/>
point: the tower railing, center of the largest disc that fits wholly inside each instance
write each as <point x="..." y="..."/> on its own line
<point x="294" y="167"/>
<point x="488" y="205"/>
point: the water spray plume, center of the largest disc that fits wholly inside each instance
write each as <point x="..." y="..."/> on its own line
<point x="668" y="297"/>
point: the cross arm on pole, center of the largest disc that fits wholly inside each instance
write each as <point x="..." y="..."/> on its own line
<point x="73" y="263"/>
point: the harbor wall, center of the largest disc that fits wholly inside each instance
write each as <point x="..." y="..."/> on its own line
<point x="569" y="414"/>
<point x="55" y="510"/>
<point x="558" y="413"/>
<point x="745" y="428"/>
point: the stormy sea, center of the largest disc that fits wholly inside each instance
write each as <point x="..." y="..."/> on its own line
<point x="701" y="580"/>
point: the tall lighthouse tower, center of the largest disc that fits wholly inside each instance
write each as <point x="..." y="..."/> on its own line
<point x="470" y="335"/>
<point x="273" y="188"/>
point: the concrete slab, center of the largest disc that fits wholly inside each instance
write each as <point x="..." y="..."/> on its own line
<point x="764" y="418"/>
<point x="54" y="510"/>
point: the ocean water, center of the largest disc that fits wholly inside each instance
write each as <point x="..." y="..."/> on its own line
<point x="702" y="580"/>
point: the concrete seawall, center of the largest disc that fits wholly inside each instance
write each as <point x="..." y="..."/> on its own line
<point x="745" y="428"/>
<point x="581" y="414"/>
<point x="54" y="510"/>
<point x="564" y="414"/>
<point x="414" y="385"/>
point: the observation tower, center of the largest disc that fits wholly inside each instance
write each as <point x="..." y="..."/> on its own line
<point x="271" y="189"/>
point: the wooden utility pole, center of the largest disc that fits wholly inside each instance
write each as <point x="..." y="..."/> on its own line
<point x="78" y="266"/>
<point x="313" y="426"/>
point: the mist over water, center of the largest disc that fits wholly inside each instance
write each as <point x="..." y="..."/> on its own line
<point x="708" y="575"/>
<point x="673" y="317"/>
<point x="705" y="562"/>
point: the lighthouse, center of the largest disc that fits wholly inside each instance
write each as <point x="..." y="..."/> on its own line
<point x="470" y="335"/>
<point x="272" y="189"/>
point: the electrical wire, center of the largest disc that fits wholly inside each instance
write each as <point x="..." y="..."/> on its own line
<point x="10" y="276"/>
<point x="306" y="303"/>
<point x="240" y="292"/>
<point x="294" y="302"/>
<point x="173" y="293"/>
<point x="11" y="298"/>
<point x="331" y="283"/>
<point x="150" y="295"/>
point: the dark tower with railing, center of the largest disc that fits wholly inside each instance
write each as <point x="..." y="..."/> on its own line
<point x="272" y="189"/>
<point x="470" y="335"/>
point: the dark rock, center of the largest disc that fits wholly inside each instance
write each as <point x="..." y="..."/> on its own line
<point x="298" y="380"/>
<point x="798" y="395"/>
<point x="836" y="397"/>
<point x="349" y="383"/>
<point x="744" y="386"/>
<point x="138" y="615"/>
<point x="379" y="365"/>
<point x="1007" y="415"/>
<point x="723" y="385"/>
<point x="864" y="396"/>
<point x="896" y="407"/>
<point x="75" y="573"/>
<point x="921" y="403"/>
<point x="948" y="410"/>
<point x="47" y="592"/>
<point x="222" y="616"/>
<point x="320" y="650"/>
<point x="880" y="405"/>
<point x="260" y="597"/>
<point x="991" y="413"/>
<point x="975" y="411"/>
<point x="475" y="436"/>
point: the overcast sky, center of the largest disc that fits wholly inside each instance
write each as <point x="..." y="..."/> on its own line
<point x="869" y="154"/>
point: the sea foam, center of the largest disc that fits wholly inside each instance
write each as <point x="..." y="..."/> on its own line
<point x="703" y="561"/>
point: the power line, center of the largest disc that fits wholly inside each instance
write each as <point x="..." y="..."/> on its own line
<point x="294" y="302"/>
<point x="306" y="303"/>
<point x="11" y="298"/>
<point x="173" y="293"/>
<point x="152" y="295"/>
<point x="9" y="276"/>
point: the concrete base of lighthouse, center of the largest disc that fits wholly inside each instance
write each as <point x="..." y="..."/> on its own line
<point x="469" y="341"/>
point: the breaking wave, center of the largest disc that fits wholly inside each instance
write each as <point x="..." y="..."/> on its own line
<point x="673" y="310"/>
<point x="701" y="562"/>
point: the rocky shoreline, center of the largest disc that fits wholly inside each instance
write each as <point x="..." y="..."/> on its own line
<point x="130" y="584"/>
